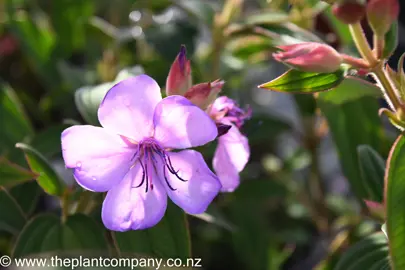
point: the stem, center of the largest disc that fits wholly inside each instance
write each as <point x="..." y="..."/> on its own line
<point x="65" y="204"/>
<point x="379" y="44"/>
<point x="387" y="86"/>
<point x="355" y="62"/>
<point x="84" y="202"/>
<point x="361" y="43"/>
<point x="377" y="66"/>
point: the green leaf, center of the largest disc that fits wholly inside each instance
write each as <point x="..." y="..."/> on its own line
<point x="294" y="81"/>
<point x="267" y="17"/>
<point x="394" y="201"/>
<point x="391" y="40"/>
<point x="366" y="254"/>
<point x="27" y="196"/>
<point x="352" y="115"/>
<point x="48" y="179"/>
<point x="12" y="174"/>
<point x="12" y="218"/>
<point x="88" y="98"/>
<point x="168" y="239"/>
<point x="372" y="169"/>
<point x="33" y="234"/>
<point x="15" y="124"/>
<point x="46" y="233"/>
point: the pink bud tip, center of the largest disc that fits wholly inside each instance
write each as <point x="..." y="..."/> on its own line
<point x="310" y="57"/>
<point x="179" y="78"/>
<point x="204" y="94"/>
<point x="381" y="14"/>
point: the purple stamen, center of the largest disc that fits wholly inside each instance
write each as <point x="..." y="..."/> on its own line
<point x="146" y="155"/>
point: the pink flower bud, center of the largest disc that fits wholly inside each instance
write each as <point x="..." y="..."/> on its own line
<point x="349" y="12"/>
<point x="381" y="14"/>
<point x="310" y="57"/>
<point x="204" y="94"/>
<point x="179" y="78"/>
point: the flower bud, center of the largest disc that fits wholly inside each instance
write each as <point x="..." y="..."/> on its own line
<point x="310" y="57"/>
<point x="349" y="12"/>
<point x="179" y="78"/>
<point x="204" y="94"/>
<point x="381" y="14"/>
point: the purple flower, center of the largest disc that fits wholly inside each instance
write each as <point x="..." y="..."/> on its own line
<point x="129" y="157"/>
<point x="233" y="151"/>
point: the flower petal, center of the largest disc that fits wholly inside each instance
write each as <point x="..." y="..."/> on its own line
<point x="128" y="107"/>
<point x="99" y="159"/>
<point x="127" y="207"/>
<point x="201" y="185"/>
<point x="230" y="157"/>
<point x="180" y="124"/>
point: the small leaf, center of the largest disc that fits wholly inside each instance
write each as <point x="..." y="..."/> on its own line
<point x="394" y="200"/>
<point x="372" y="169"/>
<point x="365" y="254"/>
<point x="391" y="40"/>
<point x="169" y="238"/>
<point x="48" y="179"/>
<point x="12" y="174"/>
<point x="33" y="235"/>
<point x="88" y="98"/>
<point x="294" y="81"/>
<point x="12" y="218"/>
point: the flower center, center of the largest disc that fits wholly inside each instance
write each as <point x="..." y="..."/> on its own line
<point x="152" y="157"/>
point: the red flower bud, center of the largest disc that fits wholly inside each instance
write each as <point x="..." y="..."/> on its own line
<point x="349" y="12"/>
<point x="204" y="94"/>
<point x="310" y="57"/>
<point x="381" y="14"/>
<point x="179" y="78"/>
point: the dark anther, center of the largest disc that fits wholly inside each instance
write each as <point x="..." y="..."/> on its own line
<point x="143" y="175"/>
<point x="172" y="170"/>
<point x="167" y="181"/>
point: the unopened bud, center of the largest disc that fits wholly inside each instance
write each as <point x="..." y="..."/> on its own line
<point x="381" y="14"/>
<point x="310" y="57"/>
<point x="204" y="94"/>
<point x="179" y="78"/>
<point x="349" y="12"/>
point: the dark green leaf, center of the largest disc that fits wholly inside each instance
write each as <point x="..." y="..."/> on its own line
<point x="372" y="169"/>
<point x="27" y="195"/>
<point x="46" y="233"/>
<point x="294" y="81"/>
<point x="12" y="218"/>
<point x="48" y="179"/>
<point x="353" y="120"/>
<point x="394" y="202"/>
<point x="169" y="238"/>
<point x="48" y="141"/>
<point x="32" y="236"/>
<point x="15" y="124"/>
<point x="12" y="174"/>
<point x="365" y="254"/>
<point x="391" y="40"/>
